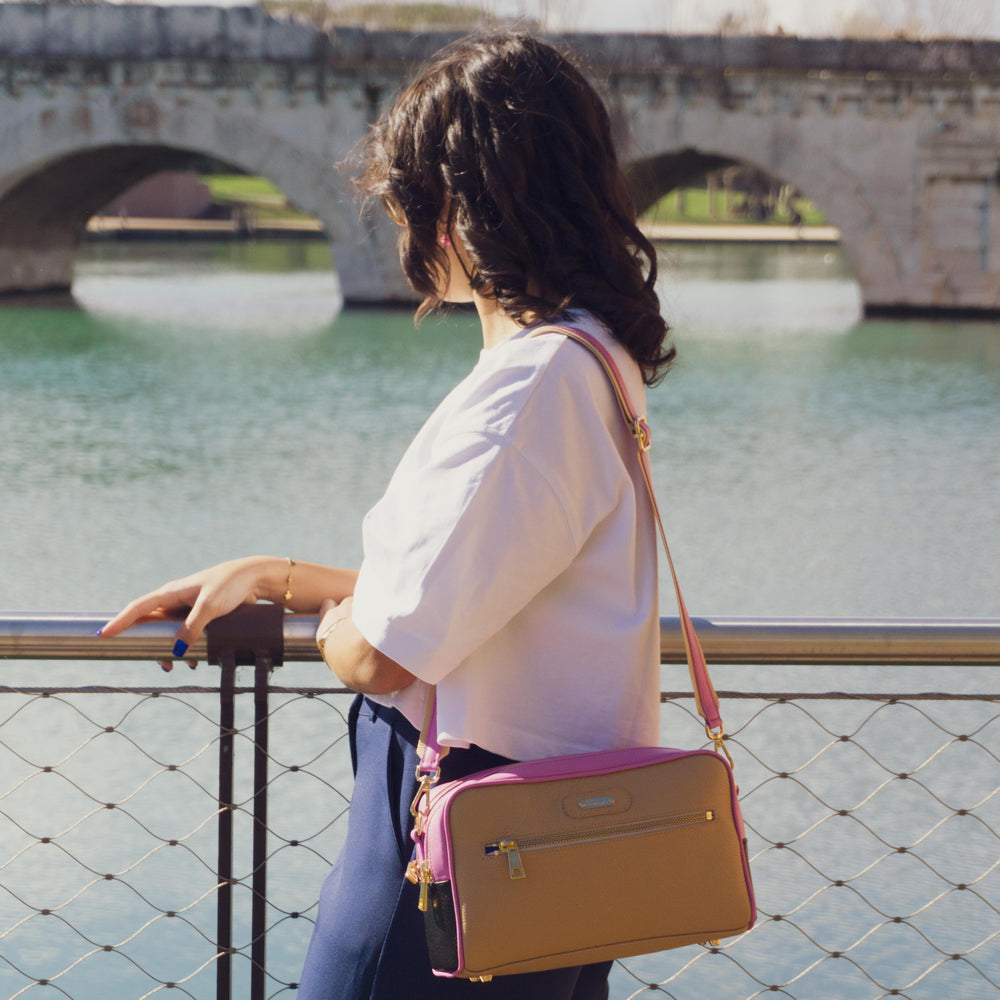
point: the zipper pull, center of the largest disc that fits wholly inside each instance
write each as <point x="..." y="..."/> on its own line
<point x="419" y="873"/>
<point x="425" y="883"/>
<point x="509" y="847"/>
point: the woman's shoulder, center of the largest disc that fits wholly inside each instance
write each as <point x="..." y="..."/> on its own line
<point x="540" y="381"/>
<point x="546" y="347"/>
<point x="567" y="363"/>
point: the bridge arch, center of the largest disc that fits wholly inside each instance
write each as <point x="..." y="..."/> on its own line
<point x="830" y="185"/>
<point x="73" y="158"/>
<point x="896" y="140"/>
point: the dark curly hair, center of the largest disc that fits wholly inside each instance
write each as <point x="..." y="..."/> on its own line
<point x="506" y="132"/>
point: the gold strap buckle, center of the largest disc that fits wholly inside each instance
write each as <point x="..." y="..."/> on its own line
<point x="718" y="737"/>
<point x="642" y="434"/>
<point x="431" y="777"/>
<point x="421" y="804"/>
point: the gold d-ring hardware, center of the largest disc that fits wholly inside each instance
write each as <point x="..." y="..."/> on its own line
<point x="642" y="434"/>
<point x="421" y="804"/>
<point x="719" y="739"/>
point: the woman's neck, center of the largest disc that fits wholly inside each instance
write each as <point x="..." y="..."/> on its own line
<point x="497" y="325"/>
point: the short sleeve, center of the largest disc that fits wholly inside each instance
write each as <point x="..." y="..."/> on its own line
<point x="468" y="532"/>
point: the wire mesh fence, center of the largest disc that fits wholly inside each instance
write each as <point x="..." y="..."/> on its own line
<point x="872" y="821"/>
<point x="109" y="826"/>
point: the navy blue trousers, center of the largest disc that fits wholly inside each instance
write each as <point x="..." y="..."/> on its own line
<point x="368" y="942"/>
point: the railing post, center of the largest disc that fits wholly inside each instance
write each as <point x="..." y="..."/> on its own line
<point x="258" y="919"/>
<point x="250" y="635"/>
<point x="224" y="909"/>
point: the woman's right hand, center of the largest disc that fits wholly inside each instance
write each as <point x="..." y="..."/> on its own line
<point x="202" y="597"/>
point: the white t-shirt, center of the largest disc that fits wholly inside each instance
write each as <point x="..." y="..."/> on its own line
<point x="512" y="559"/>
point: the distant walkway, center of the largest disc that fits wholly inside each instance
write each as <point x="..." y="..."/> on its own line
<point x="741" y="233"/>
<point x="113" y="225"/>
<point x="110" y="225"/>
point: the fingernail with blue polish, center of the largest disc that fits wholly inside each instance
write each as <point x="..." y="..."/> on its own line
<point x="180" y="648"/>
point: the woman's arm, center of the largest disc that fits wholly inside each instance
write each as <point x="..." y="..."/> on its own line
<point x="213" y="592"/>
<point x="355" y="661"/>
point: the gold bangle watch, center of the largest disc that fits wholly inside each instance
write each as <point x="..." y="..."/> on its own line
<point x="324" y="635"/>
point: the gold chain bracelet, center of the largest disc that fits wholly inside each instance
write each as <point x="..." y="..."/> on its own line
<point x="324" y="635"/>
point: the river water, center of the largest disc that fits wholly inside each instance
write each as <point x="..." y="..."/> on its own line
<point x="200" y="401"/>
<point x="204" y="400"/>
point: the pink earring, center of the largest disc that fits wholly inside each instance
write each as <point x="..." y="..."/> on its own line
<point x="445" y="240"/>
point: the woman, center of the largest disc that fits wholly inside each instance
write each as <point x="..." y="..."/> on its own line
<point x="512" y="560"/>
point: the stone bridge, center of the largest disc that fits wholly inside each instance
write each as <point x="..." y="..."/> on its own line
<point x="897" y="142"/>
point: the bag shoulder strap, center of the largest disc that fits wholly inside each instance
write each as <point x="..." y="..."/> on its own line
<point x="705" y="697"/>
<point x="707" y="701"/>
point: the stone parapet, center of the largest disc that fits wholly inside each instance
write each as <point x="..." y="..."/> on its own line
<point x="127" y="32"/>
<point x="136" y="32"/>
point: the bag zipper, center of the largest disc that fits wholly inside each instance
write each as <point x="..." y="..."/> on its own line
<point x="512" y="848"/>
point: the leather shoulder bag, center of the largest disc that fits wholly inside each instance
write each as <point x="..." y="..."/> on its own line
<point x="570" y="860"/>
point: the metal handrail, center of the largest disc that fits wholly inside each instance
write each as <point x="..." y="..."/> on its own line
<point x="46" y="635"/>
<point x="258" y="638"/>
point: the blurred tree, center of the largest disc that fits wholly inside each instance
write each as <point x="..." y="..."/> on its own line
<point x="555" y="15"/>
<point x="958" y="18"/>
<point x="753" y="19"/>
<point x="401" y="16"/>
<point x="917" y="19"/>
<point x="866" y="24"/>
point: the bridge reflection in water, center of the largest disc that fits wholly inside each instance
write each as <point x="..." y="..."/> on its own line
<point x="175" y="836"/>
